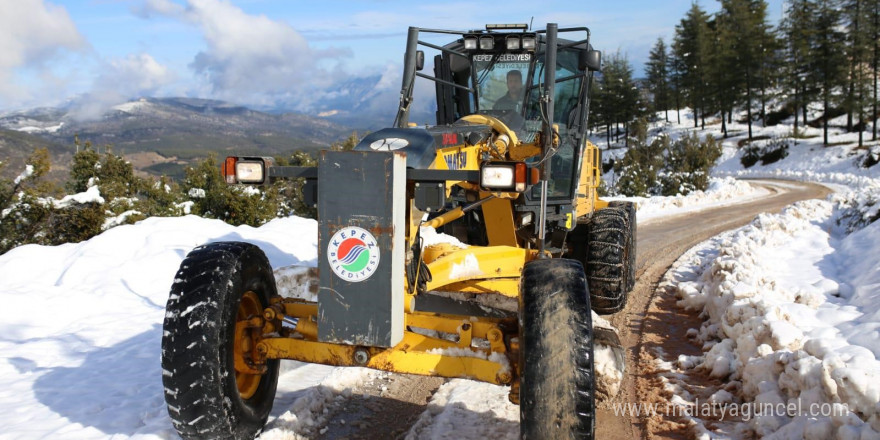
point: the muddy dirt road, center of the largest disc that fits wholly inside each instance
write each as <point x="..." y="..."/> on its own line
<point x="645" y="324"/>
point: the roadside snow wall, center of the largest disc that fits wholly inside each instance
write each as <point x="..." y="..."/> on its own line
<point x="791" y="309"/>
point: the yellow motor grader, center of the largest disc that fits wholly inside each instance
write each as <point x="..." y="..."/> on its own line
<point x="472" y="248"/>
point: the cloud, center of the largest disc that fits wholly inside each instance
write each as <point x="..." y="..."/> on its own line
<point x="251" y="58"/>
<point x="122" y="79"/>
<point x="32" y="33"/>
<point x="136" y="74"/>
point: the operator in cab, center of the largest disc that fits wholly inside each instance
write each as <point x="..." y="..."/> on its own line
<point x="513" y="98"/>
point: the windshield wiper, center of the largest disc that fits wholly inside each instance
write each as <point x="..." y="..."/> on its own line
<point x="489" y="68"/>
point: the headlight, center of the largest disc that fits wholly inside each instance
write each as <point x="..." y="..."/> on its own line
<point x="513" y="42"/>
<point x="249" y="172"/>
<point x="497" y="177"/>
<point x="503" y="176"/>
<point x="237" y="169"/>
<point x="487" y="43"/>
<point x="470" y="43"/>
<point x="529" y="43"/>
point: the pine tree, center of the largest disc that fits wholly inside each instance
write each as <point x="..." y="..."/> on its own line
<point x="874" y="8"/>
<point x="798" y="29"/>
<point x="858" y="19"/>
<point x="623" y="105"/>
<point x="690" y="46"/>
<point x="599" y="114"/>
<point x="772" y="49"/>
<point x="737" y="58"/>
<point x="721" y="68"/>
<point x="675" y="82"/>
<point x="829" y="51"/>
<point x="348" y="144"/>
<point x="657" y="72"/>
<point x="745" y="31"/>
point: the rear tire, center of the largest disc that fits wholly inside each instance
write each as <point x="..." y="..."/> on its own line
<point x="610" y="257"/>
<point x="217" y="285"/>
<point x="629" y="208"/>
<point x="557" y="385"/>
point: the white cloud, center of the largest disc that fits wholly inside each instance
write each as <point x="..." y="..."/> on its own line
<point x="250" y="58"/>
<point x="122" y="79"/>
<point x="32" y="32"/>
<point x="137" y="74"/>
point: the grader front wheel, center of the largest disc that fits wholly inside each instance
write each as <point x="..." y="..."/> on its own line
<point x="215" y="384"/>
<point x="557" y="386"/>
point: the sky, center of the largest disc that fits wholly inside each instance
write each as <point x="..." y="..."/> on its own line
<point x="268" y="53"/>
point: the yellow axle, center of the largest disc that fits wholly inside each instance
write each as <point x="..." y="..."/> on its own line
<point x="415" y="354"/>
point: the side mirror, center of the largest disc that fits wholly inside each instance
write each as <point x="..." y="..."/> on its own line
<point x="590" y="60"/>
<point x="458" y="64"/>
<point x="420" y="60"/>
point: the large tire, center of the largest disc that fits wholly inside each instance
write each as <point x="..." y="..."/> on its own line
<point x="557" y="386"/>
<point x="629" y="208"/>
<point x="610" y="258"/>
<point x="217" y="285"/>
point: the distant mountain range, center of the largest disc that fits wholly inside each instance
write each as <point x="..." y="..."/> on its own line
<point x="163" y="135"/>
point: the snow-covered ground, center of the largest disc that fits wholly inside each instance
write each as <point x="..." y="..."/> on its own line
<point x="722" y="191"/>
<point x="790" y="302"/>
<point x="81" y="326"/>
<point x="82" y="323"/>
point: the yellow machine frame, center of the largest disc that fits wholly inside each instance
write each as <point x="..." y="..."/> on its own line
<point x="450" y="346"/>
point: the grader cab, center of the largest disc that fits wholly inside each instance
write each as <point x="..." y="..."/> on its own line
<point x="474" y="248"/>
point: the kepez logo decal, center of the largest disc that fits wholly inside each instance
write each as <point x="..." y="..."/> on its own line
<point x="353" y="254"/>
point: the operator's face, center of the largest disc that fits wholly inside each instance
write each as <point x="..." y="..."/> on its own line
<point x="514" y="84"/>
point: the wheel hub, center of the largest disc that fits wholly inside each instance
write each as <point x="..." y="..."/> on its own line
<point x="248" y="333"/>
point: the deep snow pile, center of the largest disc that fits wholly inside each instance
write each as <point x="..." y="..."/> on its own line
<point x="81" y="325"/>
<point x="790" y="304"/>
<point x="721" y="191"/>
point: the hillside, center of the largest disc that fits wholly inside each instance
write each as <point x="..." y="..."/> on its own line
<point x="172" y="131"/>
<point x="15" y="147"/>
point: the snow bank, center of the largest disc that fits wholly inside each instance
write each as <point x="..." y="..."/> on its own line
<point x="608" y="366"/>
<point x="82" y="324"/>
<point x="309" y="414"/>
<point x="721" y="192"/>
<point x="791" y="325"/>
<point x="464" y="409"/>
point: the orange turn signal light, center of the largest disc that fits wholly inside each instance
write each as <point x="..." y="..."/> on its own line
<point x="228" y="169"/>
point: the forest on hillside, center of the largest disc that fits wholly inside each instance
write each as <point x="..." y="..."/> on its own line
<point x="823" y="56"/>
